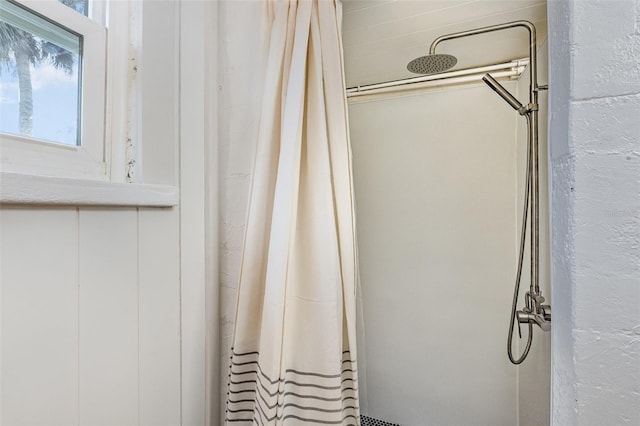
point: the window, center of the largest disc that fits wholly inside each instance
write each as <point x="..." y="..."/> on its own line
<point x="52" y="86"/>
<point x="104" y="130"/>
<point x="44" y="103"/>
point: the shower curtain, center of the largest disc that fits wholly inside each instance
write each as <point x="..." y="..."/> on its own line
<point x="294" y="347"/>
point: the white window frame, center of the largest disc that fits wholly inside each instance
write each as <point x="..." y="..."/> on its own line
<point x="99" y="172"/>
<point x="22" y="154"/>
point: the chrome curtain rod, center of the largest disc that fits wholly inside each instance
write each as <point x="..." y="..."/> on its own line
<point x="508" y="69"/>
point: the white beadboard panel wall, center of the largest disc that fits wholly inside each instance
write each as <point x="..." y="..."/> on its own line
<point x="39" y="317"/>
<point x="108" y="316"/>
<point x="90" y="316"/>
<point x="435" y="203"/>
<point x="159" y="327"/>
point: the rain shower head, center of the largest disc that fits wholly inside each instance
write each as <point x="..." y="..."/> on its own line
<point x="432" y="64"/>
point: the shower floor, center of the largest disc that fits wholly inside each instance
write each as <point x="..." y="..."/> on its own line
<point x="368" y="421"/>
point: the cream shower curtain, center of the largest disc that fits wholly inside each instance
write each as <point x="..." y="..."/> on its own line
<point x="294" y="350"/>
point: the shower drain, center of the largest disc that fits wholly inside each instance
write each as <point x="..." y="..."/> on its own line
<point x="368" y="421"/>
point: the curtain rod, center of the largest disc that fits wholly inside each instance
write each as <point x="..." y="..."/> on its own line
<point x="510" y="69"/>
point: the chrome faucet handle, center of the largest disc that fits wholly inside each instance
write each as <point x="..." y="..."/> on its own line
<point x="524" y="316"/>
<point x="545" y="311"/>
<point x="542" y="318"/>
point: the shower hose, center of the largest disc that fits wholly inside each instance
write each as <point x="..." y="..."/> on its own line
<point x="516" y="290"/>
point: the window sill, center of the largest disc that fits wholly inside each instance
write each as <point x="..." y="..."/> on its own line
<point x="17" y="188"/>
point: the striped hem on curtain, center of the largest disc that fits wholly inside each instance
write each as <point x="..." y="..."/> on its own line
<point x="306" y="396"/>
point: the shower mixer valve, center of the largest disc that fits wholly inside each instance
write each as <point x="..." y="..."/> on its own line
<point x="535" y="312"/>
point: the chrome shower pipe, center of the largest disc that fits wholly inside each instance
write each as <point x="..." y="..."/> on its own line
<point x="533" y="134"/>
<point x="533" y="77"/>
<point x="534" y="311"/>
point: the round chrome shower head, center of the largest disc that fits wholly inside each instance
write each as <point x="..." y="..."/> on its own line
<point x="432" y="64"/>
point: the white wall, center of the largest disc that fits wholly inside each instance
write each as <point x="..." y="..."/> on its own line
<point x="243" y="49"/>
<point x="534" y="375"/>
<point x="436" y="214"/>
<point x="594" y="144"/>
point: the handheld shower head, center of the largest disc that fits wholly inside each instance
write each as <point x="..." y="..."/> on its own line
<point x="504" y="93"/>
<point x="432" y="64"/>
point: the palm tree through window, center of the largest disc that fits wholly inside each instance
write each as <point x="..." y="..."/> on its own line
<point x="40" y="75"/>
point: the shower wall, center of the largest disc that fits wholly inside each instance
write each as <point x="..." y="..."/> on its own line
<point x="435" y="183"/>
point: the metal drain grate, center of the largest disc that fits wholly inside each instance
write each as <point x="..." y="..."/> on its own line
<point x="368" y="421"/>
